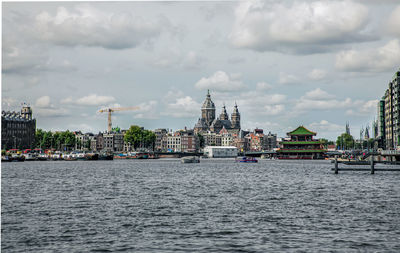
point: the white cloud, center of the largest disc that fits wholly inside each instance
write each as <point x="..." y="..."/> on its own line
<point x="325" y="126"/>
<point x="385" y="58"/>
<point x="85" y="128"/>
<point x="182" y="107"/>
<point x="393" y="22"/>
<point x="44" y="108"/>
<point x="317" y="74"/>
<point x="175" y="58"/>
<point x="263" y="86"/>
<point x="319" y="99"/>
<point x="51" y="112"/>
<point x="273" y="109"/>
<point x="265" y="125"/>
<point x="303" y="27"/>
<point x="90" y="100"/>
<point x="318" y="94"/>
<point x="147" y="110"/>
<point x="88" y="26"/>
<point x="285" y="78"/>
<point x="220" y="81"/>
<point x="362" y="108"/>
<point x="8" y="102"/>
<point x="43" y="102"/>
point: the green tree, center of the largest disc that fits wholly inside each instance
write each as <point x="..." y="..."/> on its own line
<point x="345" y="141"/>
<point x="139" y="137"/>
<point x="149" y="139"/>
<point x="326" y="142"/>
<point x="134" y="136"/>
<point x="201" y="140"/>
<point x="39" y="137"/>
<point x="70" y="139"/>
<point x="47" y="140"/>
<point x="57" y="140"/>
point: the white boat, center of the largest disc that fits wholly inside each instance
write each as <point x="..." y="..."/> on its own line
<point x="42" y="157"/>
<point x="69" y="157"/>
<point x="30" y="157"/>
<point x="190" y="159"/>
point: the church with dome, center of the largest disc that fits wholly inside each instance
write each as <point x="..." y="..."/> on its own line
<point x="209" y="123"/>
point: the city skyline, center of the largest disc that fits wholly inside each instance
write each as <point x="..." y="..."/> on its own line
<point x="320" y="64"/>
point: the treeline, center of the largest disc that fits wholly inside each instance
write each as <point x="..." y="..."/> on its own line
<point x="58" y="140"/>
<point x="347" y="141"/>
<point x="139" y="137"/>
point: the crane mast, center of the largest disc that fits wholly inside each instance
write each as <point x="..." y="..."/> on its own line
<point x="110" y="110"/>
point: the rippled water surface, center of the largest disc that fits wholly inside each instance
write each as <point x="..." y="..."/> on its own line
<point x="215" y="206"/>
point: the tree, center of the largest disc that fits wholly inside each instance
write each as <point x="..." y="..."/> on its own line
<point x="345" y="141"/>
<point x="39" y="137"/>
<point x="139" y="137"/>
<point x="326" y="142"/>
<point x="47" y="140"/>
<point x="149" y="138"/>
<point x="133" y="136"/>
<point x="70" y="139"/>
<point x="201" y="140"/>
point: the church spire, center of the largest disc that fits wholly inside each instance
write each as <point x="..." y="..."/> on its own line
<point x="224" y="114"/>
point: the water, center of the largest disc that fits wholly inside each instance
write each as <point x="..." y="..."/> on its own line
<point x="215" y="206"/>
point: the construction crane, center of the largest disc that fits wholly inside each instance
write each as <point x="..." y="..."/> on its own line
<point x="109" y="110"/>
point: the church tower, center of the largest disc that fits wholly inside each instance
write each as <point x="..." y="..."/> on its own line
<point x="208" y="110"/>
<point x="235" y="118"/>
<point x="224" y="115"/>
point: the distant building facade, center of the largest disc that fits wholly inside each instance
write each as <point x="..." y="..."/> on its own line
<point x="270" y="141"/>
<point x="159" y="144"/>
<point x="18" y="129"/>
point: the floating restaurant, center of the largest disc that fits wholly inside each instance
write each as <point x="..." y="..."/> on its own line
<point x="301" y="145"/>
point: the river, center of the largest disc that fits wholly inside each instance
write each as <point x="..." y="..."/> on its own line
<point x="214" y="206"/>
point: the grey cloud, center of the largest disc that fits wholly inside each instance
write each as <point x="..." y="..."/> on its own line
<point x="385" y="58"/>
<point x="88" y="26"/>
<point x="302" y="28"/>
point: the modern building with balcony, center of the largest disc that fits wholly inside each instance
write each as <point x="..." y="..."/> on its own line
<point x="392" y="113"/>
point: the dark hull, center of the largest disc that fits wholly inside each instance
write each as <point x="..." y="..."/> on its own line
<point x="106" y="157"/>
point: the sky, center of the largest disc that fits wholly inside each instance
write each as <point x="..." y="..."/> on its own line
<point x="284" y="63"/>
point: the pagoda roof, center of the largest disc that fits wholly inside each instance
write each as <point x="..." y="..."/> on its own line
<point x="301" y="130"/>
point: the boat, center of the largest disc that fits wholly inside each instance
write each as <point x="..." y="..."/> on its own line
<point x="30" y="157"/>
<point x="92" y="156"/>
<point x="190" y="159"/>
<point x="17" y="158"/>
<point x="6" y="158"/>
<point x="43" y="157"/>
<point x="69" y="157"/>
<point x="246" y="159"/>
<point x="106" y="156"/>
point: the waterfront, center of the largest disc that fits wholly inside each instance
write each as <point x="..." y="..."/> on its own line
<point x="214" y="206"/>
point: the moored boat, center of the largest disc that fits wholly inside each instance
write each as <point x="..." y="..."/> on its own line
<point x="246" y="159"/>
<point x="92" y="156"/>
<point x="106" y="156"/>
<point x="190" y="159"/>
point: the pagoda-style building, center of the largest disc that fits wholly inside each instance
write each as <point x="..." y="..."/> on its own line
<point x="301" y="145"/>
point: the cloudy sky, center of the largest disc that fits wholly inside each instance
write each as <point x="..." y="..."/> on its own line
<point x="285" y="63"/>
